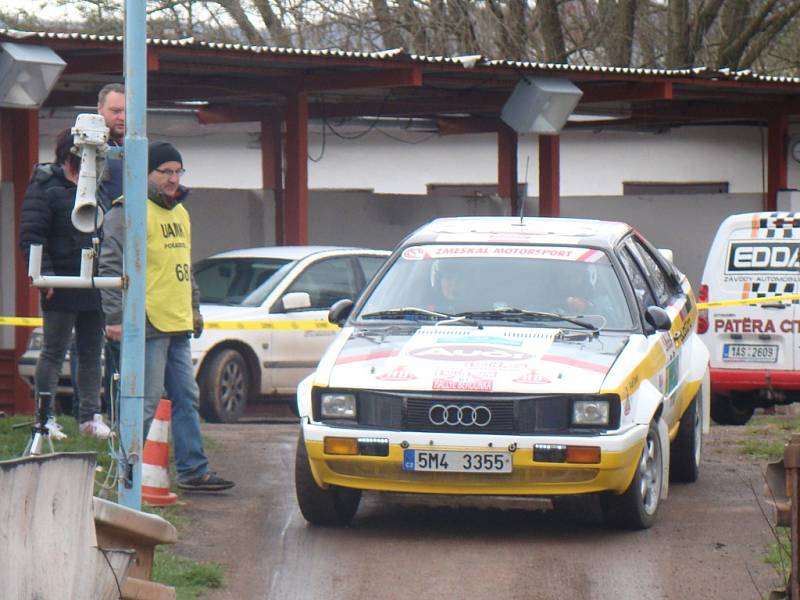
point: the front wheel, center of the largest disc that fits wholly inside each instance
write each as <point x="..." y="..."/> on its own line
<point x="684" y="463"/>
<point x="333" y="506"/>
<point x="637" y="507"/>
<point x="225" y="385"/>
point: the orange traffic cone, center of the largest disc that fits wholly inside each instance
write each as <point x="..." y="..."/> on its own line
<point x="155" y="459"/>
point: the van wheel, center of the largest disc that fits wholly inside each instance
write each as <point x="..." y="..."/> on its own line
<point x="637" y="507"/>
<point x="728" y="410"/>
<point x="684" y="463"/>
<point x="333" y="506"/>
<point x="225" y="386"/>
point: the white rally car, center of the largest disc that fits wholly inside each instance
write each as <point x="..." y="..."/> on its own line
<point x="495" y="356"/>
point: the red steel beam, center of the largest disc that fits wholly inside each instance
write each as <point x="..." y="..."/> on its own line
<point x="777" y="129"/>
<point x="467" y="125"/>
<point x="272" y="171"/>
<point x="19" y="136"/>
<point x="296" y="214"/>
<point x="549" y="176"/>
<point x="105" y="63"/>
<point x="626" y="92"/>
<point x="409" y="76"/>
<point x="507" y="166"/>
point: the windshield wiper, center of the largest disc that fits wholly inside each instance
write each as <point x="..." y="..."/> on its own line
<point x="408" y="311"/>
<point x="520" y="315"/>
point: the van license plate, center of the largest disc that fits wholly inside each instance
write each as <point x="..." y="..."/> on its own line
<point x="750" y="353"/>
<point x="457" y="462"/>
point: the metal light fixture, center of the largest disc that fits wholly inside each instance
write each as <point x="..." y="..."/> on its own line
<point x="540" y="105"/>
<point x="27" y="74"/>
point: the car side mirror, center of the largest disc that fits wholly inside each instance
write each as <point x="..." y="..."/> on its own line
<point x="340" y="311"/>
<point x="296" y="301"/>
<point x="658" y="318"/>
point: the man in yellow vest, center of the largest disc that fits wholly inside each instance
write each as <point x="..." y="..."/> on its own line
<point x="171" y="307"/>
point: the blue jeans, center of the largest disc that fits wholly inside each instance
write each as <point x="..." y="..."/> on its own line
<point x="58" y="326"/>
<point x="168" y="366"/>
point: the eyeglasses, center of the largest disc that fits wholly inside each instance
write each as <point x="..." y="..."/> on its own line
<point x="170" y="172"/>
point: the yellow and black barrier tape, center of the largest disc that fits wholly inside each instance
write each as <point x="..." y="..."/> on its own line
<point x="221" y="325"/>
<point x="742" y="301"/>
<point x="21" y="321"/>
<point x="324" y="325"/>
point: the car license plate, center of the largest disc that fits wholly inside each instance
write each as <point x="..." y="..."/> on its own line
<point x="457" y="462"/>
<point x="750" y="353"/>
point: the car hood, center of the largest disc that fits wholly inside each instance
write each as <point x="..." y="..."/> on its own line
<point x="492" y="359"/>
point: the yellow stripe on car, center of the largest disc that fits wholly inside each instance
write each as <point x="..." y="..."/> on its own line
<point x="222" y="325"/>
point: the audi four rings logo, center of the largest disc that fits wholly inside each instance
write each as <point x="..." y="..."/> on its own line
<point x="454" y="415"/>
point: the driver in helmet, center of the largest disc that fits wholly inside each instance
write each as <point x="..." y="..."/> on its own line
<point x="450" y="281"/>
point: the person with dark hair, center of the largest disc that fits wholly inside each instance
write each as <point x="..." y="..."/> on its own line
<point x="46" y="219"/>
<point x="172" y="310"/>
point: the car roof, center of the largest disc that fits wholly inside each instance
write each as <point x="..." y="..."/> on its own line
<point x="289" y="252"/>
<point x="528" y="230"/>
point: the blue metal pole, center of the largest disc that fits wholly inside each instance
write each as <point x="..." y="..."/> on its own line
<point x="135" y="190"/>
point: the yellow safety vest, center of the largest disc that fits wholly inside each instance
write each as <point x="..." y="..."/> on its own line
<point x="169" y="263"/>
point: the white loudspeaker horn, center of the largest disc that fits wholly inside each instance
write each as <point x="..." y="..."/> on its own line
<point x="540" y="105"/>
<point x="89" y="136"/>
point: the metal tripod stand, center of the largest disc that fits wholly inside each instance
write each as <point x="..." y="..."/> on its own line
<point x="39" y="431"/>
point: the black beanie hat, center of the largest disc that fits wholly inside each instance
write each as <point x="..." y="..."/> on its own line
<point x="159" y="153"/>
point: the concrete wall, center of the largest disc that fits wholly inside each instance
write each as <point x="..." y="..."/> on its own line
<point x="224" y="219"/>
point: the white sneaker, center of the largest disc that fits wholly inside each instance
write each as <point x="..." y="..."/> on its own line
<point x="54" y="429"/>
<point x="96" y="427"/>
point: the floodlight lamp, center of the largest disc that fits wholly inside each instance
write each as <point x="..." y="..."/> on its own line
<point x="540" y="105"/>
<point x="27" y="74"/>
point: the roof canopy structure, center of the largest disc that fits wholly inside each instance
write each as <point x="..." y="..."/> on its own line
<point x="282" y="88"/>
<point x="242" y="82"/>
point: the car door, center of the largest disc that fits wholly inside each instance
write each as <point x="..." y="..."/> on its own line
<point x="295" y="353"/>
<point x="654" y="284"/>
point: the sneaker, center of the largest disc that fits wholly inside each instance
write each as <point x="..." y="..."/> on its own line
<point x="54" y="429"/>
<point x="207" y="482"/>
<point x="96" y="427"/>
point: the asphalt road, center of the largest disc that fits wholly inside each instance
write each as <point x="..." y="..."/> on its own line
<point x="708" y="542"/>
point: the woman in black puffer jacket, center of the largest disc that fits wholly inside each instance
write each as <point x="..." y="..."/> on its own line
<point x="47" y="220"/>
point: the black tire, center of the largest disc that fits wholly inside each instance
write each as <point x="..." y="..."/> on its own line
<point x="637" y="507"/>
<point x="334" y="506"/>
<point x="729" y="410"/>
<point x="684" y="464"/>
<point x="225" y="385"/>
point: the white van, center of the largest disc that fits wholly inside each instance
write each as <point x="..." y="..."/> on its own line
<point x="755" y="359"/>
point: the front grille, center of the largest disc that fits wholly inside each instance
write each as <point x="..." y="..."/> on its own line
<point x="501" y="421"/>
<point x="526" y="414"/>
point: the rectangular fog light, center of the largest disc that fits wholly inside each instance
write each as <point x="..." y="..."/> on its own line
<point x="590" y="412"/>
<point x="586" y="455"/>
<point x="338" y="406"/>
<point x="373" y="446"/>
<point x="552" y="453"/>
<point x="340" y="445"/>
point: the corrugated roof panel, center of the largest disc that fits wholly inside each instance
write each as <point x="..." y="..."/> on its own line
<point x="703" y="72"/>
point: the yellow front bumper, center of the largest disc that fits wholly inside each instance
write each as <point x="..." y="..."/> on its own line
<point x="614" y="473"/>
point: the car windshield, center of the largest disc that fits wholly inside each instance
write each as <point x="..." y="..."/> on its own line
<point x="239" y="281"/>
<point x="549" y="286"/>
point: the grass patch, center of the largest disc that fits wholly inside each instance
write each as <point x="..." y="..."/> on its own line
<point x="763" y="449"/>
<point x="766" y="436"/>
<point x="190" y="578"/>
<point x="779" y="554"/>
